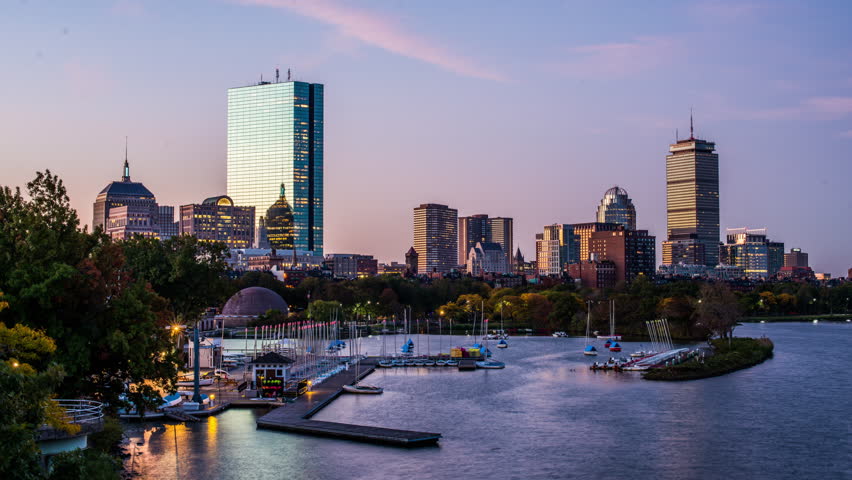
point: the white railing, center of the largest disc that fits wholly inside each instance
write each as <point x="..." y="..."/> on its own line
<point x="81" y="411"/>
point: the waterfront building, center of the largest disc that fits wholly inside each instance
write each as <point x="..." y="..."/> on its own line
<point x="616" y="207"/>
<point x="168" y="226"/>
<point x="128" y="220"/>
<point x="128" y="193"/>
<point x="279" y="223"/>
<point x="796" y="258"/>
<point x="411" y="259"/>
<point x="684" y="247"/>
<point x="633" y="252"/>
<point x="275" y="137"/>
<point x="751" y="250"/>
<point x="351" y="266"/>
<point x="486" y="257"/>
<point x="217" y="219"/>
<point x="692" y="193"/>
<point x="555" y="248"/>
<point x="582" y="233"/>
<point x="436" y="238"/>
<point x="593" y="274"/>
<point x="481" y="228"/>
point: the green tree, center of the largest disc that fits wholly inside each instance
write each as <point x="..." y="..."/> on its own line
<point x="718" y="310"/>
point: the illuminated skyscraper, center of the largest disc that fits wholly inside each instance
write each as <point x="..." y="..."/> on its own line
<point x="217" y="219"/>
<point x="435" y="238"/>
<point x="692" y="193"/>
<point x="616" y="207"/>
<point x="479" y="228"/>
<point x="275" y="137"/>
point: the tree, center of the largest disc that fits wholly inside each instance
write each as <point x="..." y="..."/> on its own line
<point x="27" y="380"/>
<point x="718" y="310"/>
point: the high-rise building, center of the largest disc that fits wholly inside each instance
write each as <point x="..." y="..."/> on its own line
<point x="275" y="136"/>
<point x="351" y="266"/>
<point x="683" y="248"/>
<point x="582" y="233"/>
<point x="616" y="207"/>
<point x="217" y="219"/>
<point x="480" y="228"/>
<point x="436" y="238"/>
<point x="751" y="250"/>
<point x="168" y="226"/>
<point x="593" y="274"/>
<point x="692" y="193"/>
<point x="280" y="224"/>
<point x="127" y="221"/>
<point x="633" y="252"/>
<point x="796" y="258"/>
<point x="126" y="193"/>
<point x="555" y="248"/>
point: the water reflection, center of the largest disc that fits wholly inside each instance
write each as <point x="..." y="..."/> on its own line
<point x="547" y="416"/>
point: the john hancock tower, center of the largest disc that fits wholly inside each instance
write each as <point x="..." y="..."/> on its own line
<point x="275" y="138"/>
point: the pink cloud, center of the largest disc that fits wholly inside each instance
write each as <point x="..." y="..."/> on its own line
<point x="382" y="32"/>
<point x="617" y="59"/>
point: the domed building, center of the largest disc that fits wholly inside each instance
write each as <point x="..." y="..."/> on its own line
<point x="280" y="227"/>
<point x="248" y="304"/>
<point x="616" y="207"/>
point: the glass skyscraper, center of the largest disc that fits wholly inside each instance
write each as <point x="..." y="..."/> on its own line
<point x="616" y="207"/>
<point x="275" y="138"/>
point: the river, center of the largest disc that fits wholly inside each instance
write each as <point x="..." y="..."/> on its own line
<point x="547" y="416"/>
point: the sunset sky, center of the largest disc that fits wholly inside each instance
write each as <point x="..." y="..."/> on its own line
<point x="523" y="109"/>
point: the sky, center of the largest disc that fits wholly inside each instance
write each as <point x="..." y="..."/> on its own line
<point x="530" y="110"/>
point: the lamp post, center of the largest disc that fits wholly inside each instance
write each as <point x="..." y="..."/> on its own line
<point x="196" y="358"/>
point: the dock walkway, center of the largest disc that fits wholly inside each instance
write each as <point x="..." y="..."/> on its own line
<point x="295" y="417"/>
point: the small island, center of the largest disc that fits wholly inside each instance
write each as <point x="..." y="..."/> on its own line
<point x="729" y="355"/>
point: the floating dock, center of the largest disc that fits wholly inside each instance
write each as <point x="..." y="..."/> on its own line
<point x="295" y="417"/>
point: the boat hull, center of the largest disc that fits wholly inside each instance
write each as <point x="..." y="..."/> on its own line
<point x="362" y="389"/>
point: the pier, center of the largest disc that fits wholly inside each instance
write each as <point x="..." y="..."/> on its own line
<point x="296" y="416"/>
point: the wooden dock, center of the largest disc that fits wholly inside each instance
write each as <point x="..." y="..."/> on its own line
<point x="295" y="417"/>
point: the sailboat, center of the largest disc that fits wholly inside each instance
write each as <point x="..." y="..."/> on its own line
<point x="355" y="387"/>
<point x="590" y="349"/>
<point x="502" y="336"/>
<point x="490" y="364"/>
<point x="612" y="335"/>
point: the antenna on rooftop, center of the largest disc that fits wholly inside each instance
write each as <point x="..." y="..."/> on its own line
<point x="276" y="74"/>
<point x="677" y="136"/>
<point x="288" y="74"/>
<point x="691" y="133"/>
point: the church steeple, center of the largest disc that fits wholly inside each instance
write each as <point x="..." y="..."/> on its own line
<point x="126" y="176"/>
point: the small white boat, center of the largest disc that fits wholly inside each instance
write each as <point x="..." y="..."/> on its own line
<point x="590" y="350"/>
<point x="502" y="343"/>
<point x="609" y="337"/>
<point x="763" y="321"/>
<point x="452" y="363"/>
<point x="490" y="364"/>
<point x="385" y="364"/>
<point x="560" y="334"/>
<point x="441" y="363"/>
<point x="641" y="354"/>
<point x="816" y="320"/>
<point x="367" y="389"/>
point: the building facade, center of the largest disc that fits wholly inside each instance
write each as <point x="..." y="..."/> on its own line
<point x="411" y="259"/>
<point x="128" y="220"/>
<point x="692" y="193"/>
<point x="125" y="193"/>
<point x="751" y="250"/>
<point x="168" y="226"/>
<point x="616" y="207"/>
<point x="275" y="137"/>
<point x="480" y="228"/>
<point x="555" y="248"/>
<point x="593" y="274"/>
<point x="436" y="238"/>
<point x="582" y="234"/>
<point x="217" y="219"/>
<point x="351" y="266"/>
<point x="632" y="251"/>
<point x="486" y="257"/>
<point x="796" y="258"/>
<point x="279" y="224"/>
<point x="684" y="248"/>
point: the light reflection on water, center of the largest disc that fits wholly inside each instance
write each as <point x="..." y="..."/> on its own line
<point x="547" y="416"/>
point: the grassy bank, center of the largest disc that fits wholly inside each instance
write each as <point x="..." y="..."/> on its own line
<point x="797" y="318"/>
<point x="741" y="353"/>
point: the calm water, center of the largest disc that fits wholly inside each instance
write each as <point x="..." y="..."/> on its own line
<point x="547" y="416"/>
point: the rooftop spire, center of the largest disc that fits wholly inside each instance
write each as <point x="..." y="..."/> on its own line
<point x="126" y="176"/>
<point x="691" y="132"/>
<point x="282" y="189"/>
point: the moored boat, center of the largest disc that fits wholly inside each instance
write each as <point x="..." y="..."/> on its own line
<point x="490" y="364"/>
<point x="502" y="343"/>
<point x="368" y="389"/>
<point x="590" y="350"/>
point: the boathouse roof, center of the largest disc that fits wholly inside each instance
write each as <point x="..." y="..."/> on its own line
<point x="273" y="357"/>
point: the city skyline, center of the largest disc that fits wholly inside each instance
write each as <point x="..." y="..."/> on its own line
<point x="177" y="141"/>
